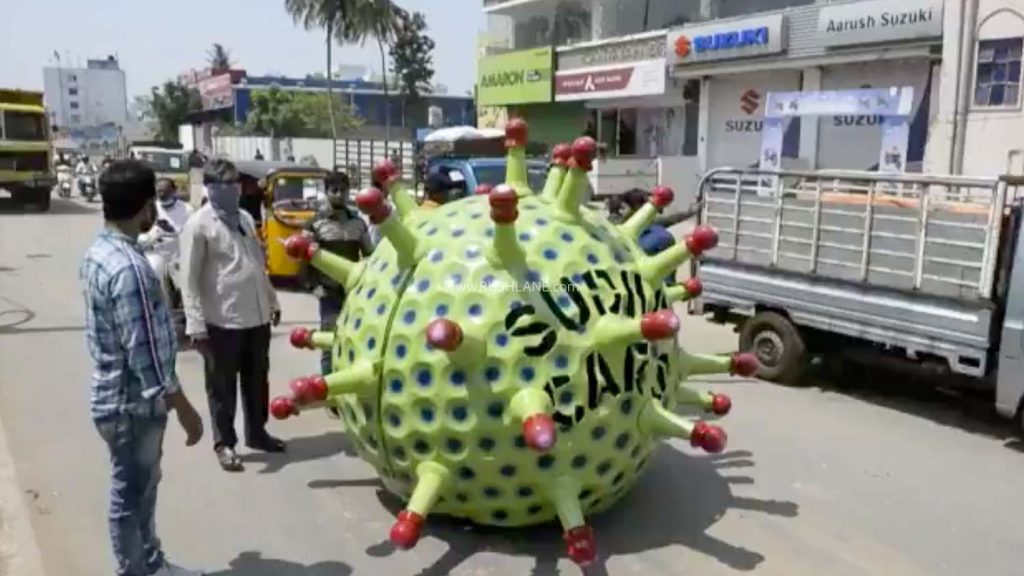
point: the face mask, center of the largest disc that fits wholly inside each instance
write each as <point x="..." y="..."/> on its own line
<point x="224" y="197"/>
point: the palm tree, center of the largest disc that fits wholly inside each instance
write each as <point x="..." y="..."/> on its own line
<point x="219" y="57"/>
<point x="349" y="22"/>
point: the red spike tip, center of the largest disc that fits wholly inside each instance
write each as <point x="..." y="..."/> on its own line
<point x="302" y="338"/>
<point x="483" y="189"/>
<point x="407" y="530"/>
<point x="720" y="404"/>
<point x="282" y="407"/>
<point x="444" y="334"/>
<point x="561" y="155"/>
<point x="504" y="204"/>
<point x="702" y="239"/>
<point x="385" y="173"/>
<point x="300" y="390"/>
<point x="581" y="545"/>
<point x="711" y="439"/>
<point x="662" y="196"/>
<point x="744" y="364"/>
<point x="659" y="325"/>
<point x="539" y="432"/>
<point x="694" y="287"/>
<point x="300" y="247"/>
<point x="516" y="133"/>
<point x="372" y="203"/>
<point x="316" y="389"/>
<point x="584" y="149"/>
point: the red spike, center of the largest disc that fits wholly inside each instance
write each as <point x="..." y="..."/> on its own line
<point x="539" y="432"/>
<point x="581" y="545"/>
<point x="300" y="390"/>
<point x="516" y="133"/>
<point x="282" y="407"/>
<point x="373" y="203"/>
<point x="405" y="533"/>
<point x="702" y="239"/>
<point x="662" y="196"/>
<point x="659" y="325"/>
<point x="300" y="247"/>
<point x="561" y="154"/>
<point x="694" y="287"/>
<point x="444" y="334"/>
<point x="744" y="364"/>
<point x="302" y="338"/>
<point x="584" y="149"/>
<point x="316" y="388"/>
<point x="720" y="404"/>
<point x="711" y="439"/>
<point x="483" y="189"/>
<point x="504" y="204"/>
<point x="385" y="173"/>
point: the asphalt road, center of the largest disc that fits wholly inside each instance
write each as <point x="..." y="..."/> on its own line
<point x="816" y="481"/>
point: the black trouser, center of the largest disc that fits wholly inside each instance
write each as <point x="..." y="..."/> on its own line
<point x="238" y="355"/>
<point x="330" y="309"/>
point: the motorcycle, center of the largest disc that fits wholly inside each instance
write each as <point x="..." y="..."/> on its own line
<point x="162" y="252"/>
<point x="64" y="178"/>
<point x="87" y="186"/>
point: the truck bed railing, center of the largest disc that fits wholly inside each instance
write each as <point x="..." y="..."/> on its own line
<point x="934" y="234"/>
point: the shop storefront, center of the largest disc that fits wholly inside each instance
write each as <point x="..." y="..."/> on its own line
<point x="812" y="48"/>
<point x="513" y="82"/>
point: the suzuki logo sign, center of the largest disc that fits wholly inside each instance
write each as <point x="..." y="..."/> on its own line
<point x="750" y="101"/>
<point x="731" y="40"/>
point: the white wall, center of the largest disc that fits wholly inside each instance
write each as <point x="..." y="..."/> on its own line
<point x="101" y="96"/>
<point x="734" y="134"/>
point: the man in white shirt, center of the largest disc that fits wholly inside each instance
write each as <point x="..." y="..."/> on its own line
<point x="229" y="308"/>
<point x="166" y="244"/>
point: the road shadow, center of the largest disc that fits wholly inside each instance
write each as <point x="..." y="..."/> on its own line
<point x="58" y="207"/>
<point x="918" y="395"/>
<point x="254" y="564"/>
<point x="675" y="502"/>
<point x="305" y="449"/>
<point x="39" y="330"/>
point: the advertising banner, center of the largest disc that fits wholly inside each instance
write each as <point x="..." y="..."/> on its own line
<point x="216" y="92"/>
<point x="879" y="21"/>
<point x="880" y="101"/>
<point x="895" y="135"/>
<point x="523" y="77"/>
<point x="731" y="40"/>
<point x="639" y="79"/>
<point x="771" y="143"/>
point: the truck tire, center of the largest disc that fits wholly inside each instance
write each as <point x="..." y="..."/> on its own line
<point x="40" y="200"/>
<point x="781" y="353"/>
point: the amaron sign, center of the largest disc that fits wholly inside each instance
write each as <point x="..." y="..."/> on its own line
<point x="737" y="39"/>
<point x="879" y="21"/>
<point x="515" y="78"/>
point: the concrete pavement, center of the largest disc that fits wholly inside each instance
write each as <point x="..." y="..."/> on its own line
<point x="816" y="481"/>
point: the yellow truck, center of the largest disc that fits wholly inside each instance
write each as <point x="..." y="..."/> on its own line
<point x="26" y="153"/>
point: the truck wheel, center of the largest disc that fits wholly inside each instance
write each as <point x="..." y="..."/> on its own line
<point x="40" y="201"/>
<point x="778" y="345"/>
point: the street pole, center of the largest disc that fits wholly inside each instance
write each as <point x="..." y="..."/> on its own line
<point x="330" y="96"/>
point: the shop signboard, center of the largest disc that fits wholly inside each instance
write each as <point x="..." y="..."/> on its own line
<point x="878" y="21"/>
<point x="638" y="79"/>
<point x="609" y="53"/>
<point x="522" y="77"/>
<point x="216" y="92"/>
<point x="727" y="41"/>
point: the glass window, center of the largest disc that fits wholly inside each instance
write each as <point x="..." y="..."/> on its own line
<point x="72" y="78"/>
<point x="72" y="91"/>
<point x="536" y="24"/>
<point x="76" y="119"/>
<point x="997" y="78"/>
<point x="24" y="126"/>
<point x="730" y="8"/>
<point x="74" y="105"/>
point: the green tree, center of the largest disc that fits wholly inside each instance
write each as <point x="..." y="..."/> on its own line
<point x="219" y="57"/>
<point x="349" y="22"/>
<point x="283" y="114"/>
<point x="412" y="59"/>
<point x="169" y="106"/>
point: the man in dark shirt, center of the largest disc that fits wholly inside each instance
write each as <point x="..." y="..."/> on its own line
<point x="337" y="229"/>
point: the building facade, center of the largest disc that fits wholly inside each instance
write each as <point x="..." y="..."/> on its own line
<point x="675" y="88"/>
<point x="88" y="105"/>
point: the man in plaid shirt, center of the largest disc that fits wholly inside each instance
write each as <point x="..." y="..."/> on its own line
<point x="133" y="345"/>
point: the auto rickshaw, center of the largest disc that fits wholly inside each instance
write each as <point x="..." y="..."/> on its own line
<point x="282" y="197"/>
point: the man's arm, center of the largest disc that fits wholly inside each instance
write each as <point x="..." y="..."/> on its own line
<point x="193" y="256"/>
<point x="146" y="336"/>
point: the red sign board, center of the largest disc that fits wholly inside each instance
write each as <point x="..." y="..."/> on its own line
<point x="603" y="81"/>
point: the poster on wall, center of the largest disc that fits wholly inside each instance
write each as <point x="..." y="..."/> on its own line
<point x="771" y="143"/>
<point x="895" y="135"/>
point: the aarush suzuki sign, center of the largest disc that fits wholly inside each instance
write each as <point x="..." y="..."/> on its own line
<point x="515" y="78"/>
<point x="730" y="40"/>
<point x="879" y="21"/>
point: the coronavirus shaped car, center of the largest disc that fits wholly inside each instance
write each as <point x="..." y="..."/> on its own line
<point x="511" y="357"/>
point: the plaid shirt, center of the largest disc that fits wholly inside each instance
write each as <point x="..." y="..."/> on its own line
<point x="131" y="337"/>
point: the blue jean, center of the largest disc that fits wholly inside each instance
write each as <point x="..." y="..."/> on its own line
<point x="136" y="447"/>
<point x="330" y="309"/>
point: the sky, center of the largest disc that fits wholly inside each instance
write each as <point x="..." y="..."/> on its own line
<point x="156" y="40"/>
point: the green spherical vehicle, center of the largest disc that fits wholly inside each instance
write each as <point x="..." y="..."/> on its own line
<point x="511" y="357"/>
